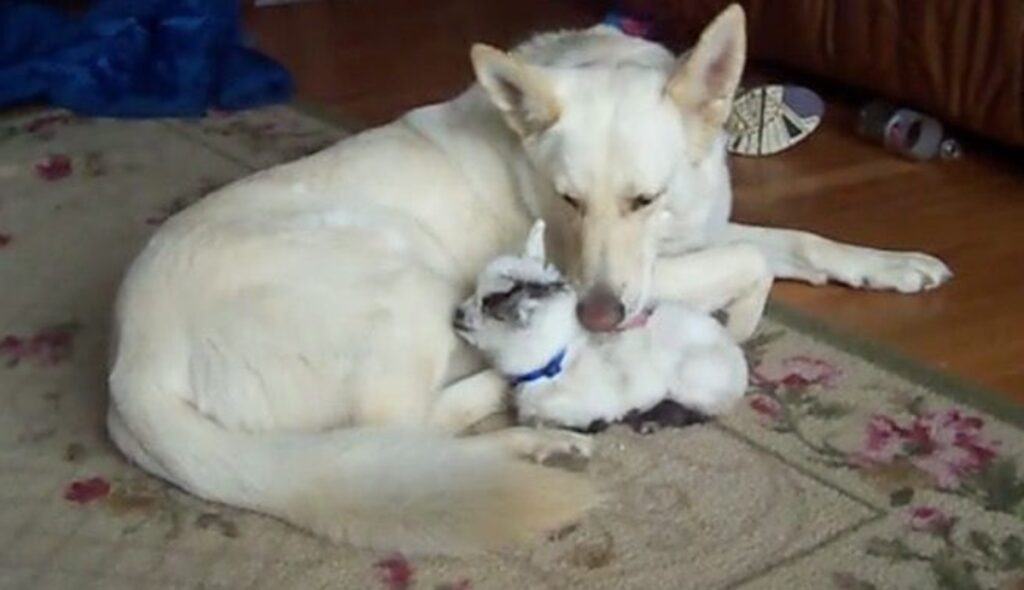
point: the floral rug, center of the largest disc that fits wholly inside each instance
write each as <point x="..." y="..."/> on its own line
<point x="845" y="469"/>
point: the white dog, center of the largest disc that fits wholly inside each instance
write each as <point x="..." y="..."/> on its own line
<point x="523" y="318"/>
<point x="285" y="345"/>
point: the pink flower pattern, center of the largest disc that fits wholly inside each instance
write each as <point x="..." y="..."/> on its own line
<point x="928" y="519"/>
<point x="902" y="453"/>
<point x="47" y="347"/>
<point x="54" y="167"/>
<point x="396" y="573"/>
<point x="946" y="445"/>
<point x="798" y="372"/>
<point x="85" y="491"/>
<point x="767" y="408"/>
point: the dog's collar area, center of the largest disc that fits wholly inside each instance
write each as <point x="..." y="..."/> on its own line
<point x="637" y="321"/>
<point x="548" y="371"/>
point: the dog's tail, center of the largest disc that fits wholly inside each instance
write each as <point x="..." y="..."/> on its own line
<point x="398" y="490"/>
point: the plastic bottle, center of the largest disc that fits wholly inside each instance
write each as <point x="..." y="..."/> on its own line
<point x="906" y="132"/>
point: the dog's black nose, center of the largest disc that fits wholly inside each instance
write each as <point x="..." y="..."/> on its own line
<point x="600" y="310"/>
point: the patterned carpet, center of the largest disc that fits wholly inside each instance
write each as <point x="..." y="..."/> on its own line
<point x="846" y="468"/>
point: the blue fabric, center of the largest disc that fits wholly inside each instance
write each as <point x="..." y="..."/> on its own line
<point x="548" y="371"/>
<point x="135" y="58"/>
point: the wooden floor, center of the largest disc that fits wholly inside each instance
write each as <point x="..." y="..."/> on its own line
<point x="373" y="60"/>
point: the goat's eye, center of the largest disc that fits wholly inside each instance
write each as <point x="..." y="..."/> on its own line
<point x="641" y="201"/>
<point x="573" y="202"/>
<point x="493" y="300"/>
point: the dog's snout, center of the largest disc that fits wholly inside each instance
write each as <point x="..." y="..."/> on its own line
<point x="601" y="310"/>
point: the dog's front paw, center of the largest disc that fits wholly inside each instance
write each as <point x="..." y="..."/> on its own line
<point x="543" y="444"/>
<point x="905" y="272"/>
<point x="882" y="269"/>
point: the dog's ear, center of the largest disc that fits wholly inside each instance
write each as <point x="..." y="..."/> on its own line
<point x="535" y="242"/>
<point x="705" y="78"/>
<point x="519" y="90"/>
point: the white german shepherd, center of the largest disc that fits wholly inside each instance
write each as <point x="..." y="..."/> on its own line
<point x="285" y="345"/>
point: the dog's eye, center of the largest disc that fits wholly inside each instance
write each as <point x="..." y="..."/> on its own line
<point x="573" y="202"/>
<point x="641" y="201"/>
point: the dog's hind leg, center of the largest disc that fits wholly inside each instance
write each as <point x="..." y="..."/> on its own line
<point x="804" y="256"/>
<point x="733" y="278"/>
<point x="130" y="445"/>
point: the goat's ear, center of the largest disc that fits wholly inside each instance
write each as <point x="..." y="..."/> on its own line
<point x="705" y="79"/>
<point x="534" y="247"/>
<point x="520" y="91"/>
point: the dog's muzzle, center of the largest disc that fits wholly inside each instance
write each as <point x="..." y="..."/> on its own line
<point x="600" y="310"/>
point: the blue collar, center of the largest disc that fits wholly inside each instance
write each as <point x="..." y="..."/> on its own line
<point x="548" y="371"/>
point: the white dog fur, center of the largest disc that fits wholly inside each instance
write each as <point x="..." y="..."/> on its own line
<point x="285" y="344"/>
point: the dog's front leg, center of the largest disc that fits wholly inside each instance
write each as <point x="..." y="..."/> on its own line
<point x="537" y="444"/>
<point x="468" y="401"/>
<point x="734" y="278"/>
<point x="804" y="256"/>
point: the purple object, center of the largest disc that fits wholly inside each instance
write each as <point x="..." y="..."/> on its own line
<point x="803" y="102"/>
<point x="633" y="25"/>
